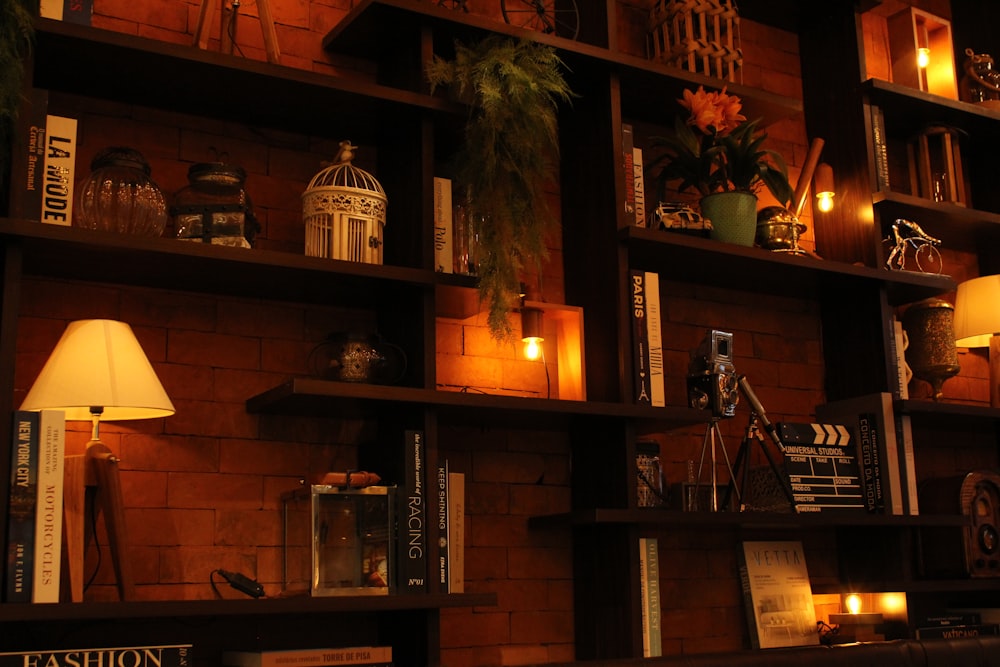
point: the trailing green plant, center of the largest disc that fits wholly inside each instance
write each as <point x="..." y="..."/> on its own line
<point x="17" y="35"/>
<point x="511" y="146"/>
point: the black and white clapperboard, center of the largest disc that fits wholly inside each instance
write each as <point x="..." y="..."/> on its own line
<point x="822" y="466"/>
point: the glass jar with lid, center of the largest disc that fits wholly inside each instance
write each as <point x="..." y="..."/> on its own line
<point x="214" y="207"/>
<point x="119" y="195"/>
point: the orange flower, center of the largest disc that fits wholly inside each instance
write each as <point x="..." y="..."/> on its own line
<point x="715" y="113"/>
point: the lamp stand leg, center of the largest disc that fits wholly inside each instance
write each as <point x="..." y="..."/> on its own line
<point x="93" y="478"/>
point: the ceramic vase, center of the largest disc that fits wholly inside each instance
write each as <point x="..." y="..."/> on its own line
<point x="733" y="216"/>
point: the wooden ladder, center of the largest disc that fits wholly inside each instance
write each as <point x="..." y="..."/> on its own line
<point x="229" y="14"/>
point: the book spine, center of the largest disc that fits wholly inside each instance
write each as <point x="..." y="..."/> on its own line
<point x="881" y="151"/>
<point x="28" y="157"/>
<point x="869" y="464"/>
<point x="628" y="171"/>
<point x="442" y="526"/>
<point x="908" y="471"/>
<point x="640" y="350"/>
<point x="78" y="11"/>
<point x="958" y="631"/>
<point x="644" y="595"/>
<point x="654" y="340"/>
<point x="888" y="450"/>
<point x="749" y="609"/>
<point x="456" y="532"/>
<point x="639" y="188"/>
<point x="318" y="657"/>
<point x="60" y="165"/>
<point x="444" y="254"/>
<point x="49" y="515"/>
<point x="652" y="640"/>
<point x="413" y="547"/>
<point x="159" y="656"/>
<point x="51" y="9"/>
<point x="21" y="515"/>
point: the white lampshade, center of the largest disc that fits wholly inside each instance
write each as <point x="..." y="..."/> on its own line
<point x="99" y="363"/>
<point x="977" y="311"/>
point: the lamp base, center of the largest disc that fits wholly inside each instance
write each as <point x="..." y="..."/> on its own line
<point x="93" y="478"/>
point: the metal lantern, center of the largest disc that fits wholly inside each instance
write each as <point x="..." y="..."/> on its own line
<point x="344" y="212"/>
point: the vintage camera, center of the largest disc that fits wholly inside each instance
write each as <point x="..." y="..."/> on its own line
<point x="712" y="381"/>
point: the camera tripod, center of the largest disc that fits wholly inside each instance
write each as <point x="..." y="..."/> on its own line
<point x="758" y="417"/>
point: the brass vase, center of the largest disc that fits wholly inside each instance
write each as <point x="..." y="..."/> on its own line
<point x="932" y="354"/>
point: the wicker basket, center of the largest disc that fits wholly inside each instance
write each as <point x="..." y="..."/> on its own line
<point x="700" y="36"/>
<point x="344" y="212"/>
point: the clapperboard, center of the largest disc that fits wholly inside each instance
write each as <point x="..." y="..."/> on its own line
<point x="822" y="466"/>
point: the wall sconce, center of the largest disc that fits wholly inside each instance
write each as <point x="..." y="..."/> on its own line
<point x="977" y="323"/>
<point x="823" y="187"/>
<point x="532" y="332"/>
<point x="97" y="371"/>
<point x="923" y="57"/>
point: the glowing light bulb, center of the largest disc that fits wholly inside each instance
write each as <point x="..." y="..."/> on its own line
<point x="923" y="57"/>
<point x="853" y="602"/>
<point x="532" y="348"/>
<point x="824" y="201"/>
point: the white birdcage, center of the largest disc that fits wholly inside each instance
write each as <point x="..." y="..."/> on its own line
<point x="344" y="212"/>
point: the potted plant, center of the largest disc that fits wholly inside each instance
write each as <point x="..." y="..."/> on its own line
<point x="717" y="152"/>
<point x="17" y="33"/>
<point x="511" y="144"/>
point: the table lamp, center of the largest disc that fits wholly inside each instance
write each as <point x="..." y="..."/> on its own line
<point x="97" y="371"/>
<point x="977" y="323"/>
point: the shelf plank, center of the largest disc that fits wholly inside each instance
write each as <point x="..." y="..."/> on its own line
<point x="695" y="259"/>
<point x="307" y="396"/>
<point x="30" y="613"/>
<point x="112" y="65"/>
<point x="651" y="86"/>
<point x="54" y="251"/>
<point x="958" y="227"/>
<point x="745" y="520"/>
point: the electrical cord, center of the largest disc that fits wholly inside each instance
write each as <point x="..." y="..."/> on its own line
<point x="239" y="581"/>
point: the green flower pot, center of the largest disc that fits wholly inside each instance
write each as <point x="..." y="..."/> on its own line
<point x="733" y="216"/>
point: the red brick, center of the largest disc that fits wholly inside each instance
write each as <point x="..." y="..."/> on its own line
<point x="248" y="528"/>
<point x="226" y="351"/>
<point x="192" y="490"/>
<point x="541" y="627"/>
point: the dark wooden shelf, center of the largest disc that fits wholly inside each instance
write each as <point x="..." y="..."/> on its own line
<point x="66" y="252"/>
<point x="648" y="87"/>
<point x="958" y="227"/>
<point x="694" y="259"/>
<point x="146" y="72"/>
<point x="933" y="412"/>
<point x="911" y="109"/>
<point x="306" y="396"/>
<point x="745" y="520"/>
<point x="193" y="609"/>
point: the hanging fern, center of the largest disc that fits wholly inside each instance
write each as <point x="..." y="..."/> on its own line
<point x="17" y="34"/>
<point x="511" y="145"/>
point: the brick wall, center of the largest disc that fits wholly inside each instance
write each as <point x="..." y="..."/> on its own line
<point x="202" y="488"/>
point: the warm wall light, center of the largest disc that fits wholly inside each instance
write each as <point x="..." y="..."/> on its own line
<point x="823" y="187"/>
<point x="977" y="323"/>
<point x="923" y="57"/>
<point x="532" y="332"/>
<point x="97" y="371"/>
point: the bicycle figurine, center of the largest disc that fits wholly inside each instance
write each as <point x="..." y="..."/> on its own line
<point x="907" y="234"/>
<point x="552" y="17"/>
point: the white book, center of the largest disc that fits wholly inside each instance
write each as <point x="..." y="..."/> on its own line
<point x="777" y="594"/>
<point x="58" y="172"/>
<point x="654" y="337"/>
<point x="49" y="518"/>
<point x="444" y="259"/>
